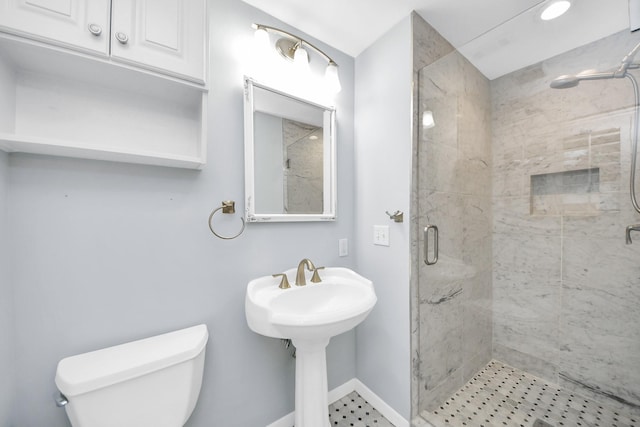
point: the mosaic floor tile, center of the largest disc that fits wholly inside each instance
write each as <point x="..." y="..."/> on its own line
<point x="353" y="411"/>
<point x="500" y="395"/>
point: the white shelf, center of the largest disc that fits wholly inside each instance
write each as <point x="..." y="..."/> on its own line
<point x="89" y="150"/>
<point x="66" y="103"/>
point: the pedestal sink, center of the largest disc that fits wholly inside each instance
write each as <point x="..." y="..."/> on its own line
<point x="309" y="315"/>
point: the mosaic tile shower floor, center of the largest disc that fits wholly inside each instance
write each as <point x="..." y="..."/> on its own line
<point x="500" y="395"/>
<point x="353" y="411"/>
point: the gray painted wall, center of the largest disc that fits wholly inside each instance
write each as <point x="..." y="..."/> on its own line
<point x="383" y="171"/>
<point x="6" y="305"/>
<point x="105" y="252"/>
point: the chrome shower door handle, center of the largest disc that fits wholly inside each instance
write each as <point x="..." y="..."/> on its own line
<point x="426" y="244"/>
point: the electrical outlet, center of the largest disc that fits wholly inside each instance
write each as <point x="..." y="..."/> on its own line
<point x="381" y="235"/>
<point x="343" y="247"/>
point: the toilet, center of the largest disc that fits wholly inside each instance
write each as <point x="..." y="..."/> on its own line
<point x="153" y="382"/>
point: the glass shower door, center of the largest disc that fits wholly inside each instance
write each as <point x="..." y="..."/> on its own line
<point x="454" y="223"/>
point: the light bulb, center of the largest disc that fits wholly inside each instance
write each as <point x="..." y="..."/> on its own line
<point x="261" y="38"/>
<point x="301" y="60"/>
<point x="331" y="78"/>
<point x="555" y="9"/>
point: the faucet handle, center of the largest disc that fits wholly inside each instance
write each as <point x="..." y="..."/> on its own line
<point x="284" y="283"/>
<point x="316" y="277"/>
<point x="635" y="227"/>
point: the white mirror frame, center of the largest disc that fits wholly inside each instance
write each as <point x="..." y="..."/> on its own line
<point x="329" y="163"/>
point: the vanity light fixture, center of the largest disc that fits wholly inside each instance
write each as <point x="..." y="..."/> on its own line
<point x="554" y="9"/>
<point x="296" y="49"/>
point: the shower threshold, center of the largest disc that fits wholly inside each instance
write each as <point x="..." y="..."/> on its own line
<point x="500" y="395"/>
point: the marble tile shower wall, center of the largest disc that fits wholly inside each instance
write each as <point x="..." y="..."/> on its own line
<point x="566" y="288"/>
<point x="452" y="179"/>
<point x="303" y="180"/>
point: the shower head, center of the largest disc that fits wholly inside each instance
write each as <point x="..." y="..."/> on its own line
<point x="571" y="80"/>
<point x="565" y="82"/>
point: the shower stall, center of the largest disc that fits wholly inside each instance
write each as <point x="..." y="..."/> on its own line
<point x="531" y="314"/>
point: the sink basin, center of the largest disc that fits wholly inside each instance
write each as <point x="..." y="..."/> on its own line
<point x="340" y="302"/>
<point x="309" y="315"/>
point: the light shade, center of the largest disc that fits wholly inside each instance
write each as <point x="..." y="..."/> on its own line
<point x="331" y="78"/>
<point x="261" y="37"/>
<point x="555" y="9"/>
<point x="301" y="59"/>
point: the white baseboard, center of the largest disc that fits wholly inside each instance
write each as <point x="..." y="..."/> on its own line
<point x="341" y="391"/>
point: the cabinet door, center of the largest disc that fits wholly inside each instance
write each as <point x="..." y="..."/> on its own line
<point x="165" y="35"/>
<point x="81" y="24"/>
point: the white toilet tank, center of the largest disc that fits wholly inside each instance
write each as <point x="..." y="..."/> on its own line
<point x="154" y="382"/>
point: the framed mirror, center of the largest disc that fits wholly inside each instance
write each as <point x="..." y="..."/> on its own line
<point x="290" y="157"/>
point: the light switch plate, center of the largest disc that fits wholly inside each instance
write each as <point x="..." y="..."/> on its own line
<point x="381" y="235"/>
<point x="343" y="247"/>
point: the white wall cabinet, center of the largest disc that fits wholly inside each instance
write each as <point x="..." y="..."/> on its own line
<point x="64" y="22"/>
<point x="162" y="34"/>
<point x="166" y="36"/>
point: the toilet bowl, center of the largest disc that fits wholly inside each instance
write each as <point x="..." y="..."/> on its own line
<point x="153" y="382"/>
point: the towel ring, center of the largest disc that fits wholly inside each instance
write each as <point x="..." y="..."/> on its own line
<point x="228" y="207"/>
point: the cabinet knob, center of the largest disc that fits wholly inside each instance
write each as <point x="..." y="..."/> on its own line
<point x="95" y="29"/>
<point x="122" y="37"/>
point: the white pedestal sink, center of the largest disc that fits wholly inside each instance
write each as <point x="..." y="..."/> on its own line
<point x="309" y="315"/>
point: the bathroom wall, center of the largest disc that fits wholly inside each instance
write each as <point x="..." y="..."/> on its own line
<point x="7" y="101"/>
<point x="565" y="284"/>
<point x="6" y="305"/>
<point x="383" y="179"/>
<point x="452" y="315"/>
<point x="107" y="252"/>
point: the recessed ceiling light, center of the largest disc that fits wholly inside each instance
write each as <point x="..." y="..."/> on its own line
<point x="555" y="9"/>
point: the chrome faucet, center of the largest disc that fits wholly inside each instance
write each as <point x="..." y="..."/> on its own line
<point x="300" y="279"/>
<point x="635" y="227"/>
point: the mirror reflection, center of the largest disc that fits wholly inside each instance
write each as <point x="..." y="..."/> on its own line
<point x="289" y="150"/>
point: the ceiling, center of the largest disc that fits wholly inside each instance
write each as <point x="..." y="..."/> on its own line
<point x="497" y="36"/>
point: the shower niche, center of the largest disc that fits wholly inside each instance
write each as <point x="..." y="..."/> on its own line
<point x="583" y="175"/>
<point x="566" y="193"/>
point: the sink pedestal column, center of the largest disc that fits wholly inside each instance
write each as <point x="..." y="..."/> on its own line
<point x="312" y="407"/>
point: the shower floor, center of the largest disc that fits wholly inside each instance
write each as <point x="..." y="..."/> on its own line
<point x="500" y="395"/>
